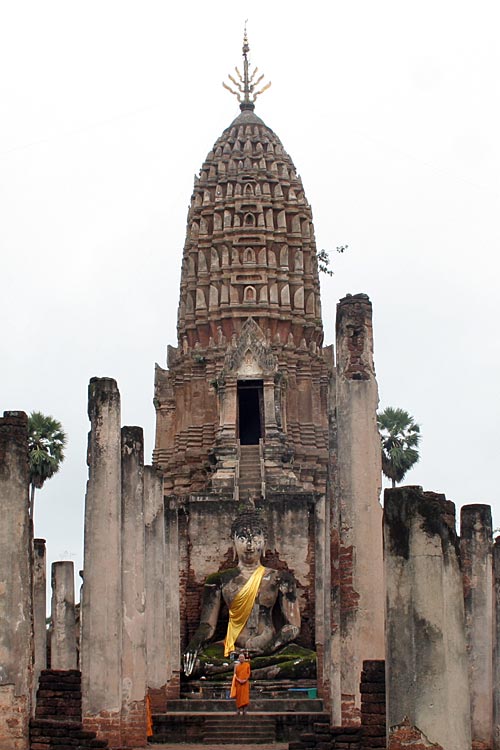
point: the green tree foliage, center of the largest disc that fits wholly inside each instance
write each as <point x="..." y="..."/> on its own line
<point x="400" y="436"/>
<point x="324" y="259"/>
<point x="46" y="442"/>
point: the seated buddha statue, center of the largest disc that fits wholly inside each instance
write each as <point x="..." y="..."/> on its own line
<point x="252" y="592"/>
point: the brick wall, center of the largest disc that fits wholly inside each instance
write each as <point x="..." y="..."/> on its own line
<point x="324" y="737"/>
<point x="373" y="720"/>
<point x="58" y="716"/>
<point x="404" y="736"/>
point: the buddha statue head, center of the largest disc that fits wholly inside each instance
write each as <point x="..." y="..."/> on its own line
<point x="248" y="533"/>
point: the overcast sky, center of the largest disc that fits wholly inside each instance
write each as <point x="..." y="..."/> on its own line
<point x="390" y="112"/>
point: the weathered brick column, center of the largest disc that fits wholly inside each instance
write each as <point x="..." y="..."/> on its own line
<point x="63" y="636"/>
<point x="426" y="660"/>
<point x="172" y="575"/>
<point x="157" y="649"/>
<point x="39" y="609"/>
<point x="101" y="609"/>
<point x="476" y="541"/>
<point x="359" y="484"/>
<point x="133" y="588"/>
<point x="373" y="706"/>
<point x="16" y="602"/>
<point x="496" y="644"/>
<point x="322" y="600"/>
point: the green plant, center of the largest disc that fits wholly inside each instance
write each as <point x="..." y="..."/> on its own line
<point x="324" y="259"/>
<point x="46" y="443"/>
<point x="400" y="437"/>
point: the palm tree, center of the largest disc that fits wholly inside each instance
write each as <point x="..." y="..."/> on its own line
<point x="400" y="436"/>
<point x="46" y="441"/>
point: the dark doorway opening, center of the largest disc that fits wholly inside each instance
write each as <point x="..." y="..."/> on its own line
<point x="250" y="411"/>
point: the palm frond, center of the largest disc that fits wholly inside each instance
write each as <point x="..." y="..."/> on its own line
<point x="399" y="438"/>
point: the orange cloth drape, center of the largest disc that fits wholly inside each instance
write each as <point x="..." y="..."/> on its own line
<point x="149" y="717"/>
<point x="241" y="692"/>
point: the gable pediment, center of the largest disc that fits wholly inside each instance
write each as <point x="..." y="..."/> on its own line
<point x="252" y="355"/>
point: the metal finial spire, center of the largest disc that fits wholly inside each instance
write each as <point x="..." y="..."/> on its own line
<point x="246" y="84"/>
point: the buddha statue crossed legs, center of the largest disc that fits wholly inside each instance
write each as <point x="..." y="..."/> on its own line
<point x="251" y="593"/>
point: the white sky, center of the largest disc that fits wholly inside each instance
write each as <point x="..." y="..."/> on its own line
<point x="390" y="112"/>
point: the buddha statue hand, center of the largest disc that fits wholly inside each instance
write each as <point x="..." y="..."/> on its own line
<point x="189" y="660"/>
<point x="195" y="645"/>
<point x="287" y="634"/>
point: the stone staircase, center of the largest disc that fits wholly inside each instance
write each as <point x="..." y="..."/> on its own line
<point x="275" y="715"/>
<point x="244" y="730"/>
<point x="250" y="479"/>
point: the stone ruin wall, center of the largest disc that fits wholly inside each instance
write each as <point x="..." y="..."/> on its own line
<point x="419" y="533"/>
<point x="16" y="570"/>
<point x="442" y="603"/>
<point x="357" y="604"/>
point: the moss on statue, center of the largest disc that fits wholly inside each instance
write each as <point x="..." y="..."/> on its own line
<point x="292" y="662"/>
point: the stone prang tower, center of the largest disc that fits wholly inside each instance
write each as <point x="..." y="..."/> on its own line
<point x="249" y="369"/>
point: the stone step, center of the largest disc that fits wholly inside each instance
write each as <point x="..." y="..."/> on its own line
<point x="284" y="689"/>
<point x="257" y="704"/>
<point x="231" y="734"/>
<point x="237" y="722"/>
<point x="229" y="728"/>
<point x="232" y="738"/>
<point x="226" y="730"/>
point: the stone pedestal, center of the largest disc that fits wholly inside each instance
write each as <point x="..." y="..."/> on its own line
<point x="63" y="636"/>
<point x="426" y="660"/>
<point x="477" y="571"/>
<point x="16" y="602"/>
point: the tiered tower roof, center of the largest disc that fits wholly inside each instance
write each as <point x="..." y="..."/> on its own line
<point x="249" y="374"/>
<point x="250" y="249"/>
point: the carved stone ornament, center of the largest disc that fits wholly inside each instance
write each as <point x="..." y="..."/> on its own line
<point x="252" y="355"/>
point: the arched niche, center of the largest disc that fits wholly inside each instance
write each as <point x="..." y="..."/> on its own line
<point x="249" y="255"/>
<point x="214" y="259"/>
<point x="250" y="295"/>
<point x="213" y="297"/>
<point x="201" y="303"/>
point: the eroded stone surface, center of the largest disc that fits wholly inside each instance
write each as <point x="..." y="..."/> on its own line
<point x="427" y="669"/>
<point x="16" y="603"/>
